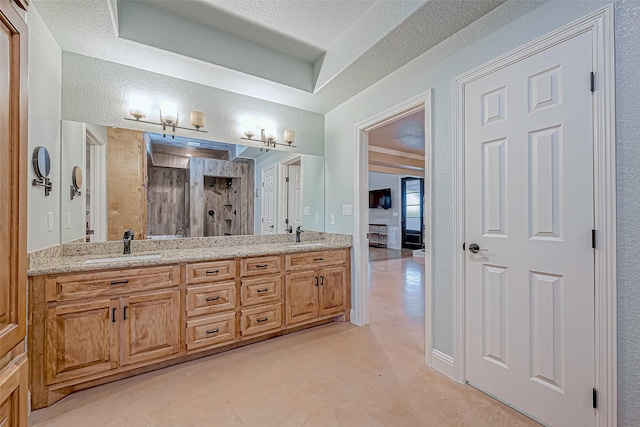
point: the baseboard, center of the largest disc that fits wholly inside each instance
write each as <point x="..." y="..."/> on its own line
<point x="442" y="363"/>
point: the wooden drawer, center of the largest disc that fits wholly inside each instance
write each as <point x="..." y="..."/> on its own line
<point x="102" y="283"/>
<point x="209" y="299"/>
<point x="259" y="290"/>
<point x="261" y="319"/>
<point x="206" y="272"/>
<point x="260" y="265"/>
<point x="211" y="331"/>
<point x="310" y="260"/>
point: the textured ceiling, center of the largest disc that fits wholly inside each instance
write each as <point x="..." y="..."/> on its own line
<point x="387" y="35"/>
<point x="405" y="134"/>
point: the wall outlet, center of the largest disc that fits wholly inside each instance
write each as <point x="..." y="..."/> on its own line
<point x="317" y="218"/>
<point x="50" y="221"/>
<point x="347" y="210"/>
<point x="307" y="210"/>
<point x="68" y="220"/>
<point x="333" y="219"/>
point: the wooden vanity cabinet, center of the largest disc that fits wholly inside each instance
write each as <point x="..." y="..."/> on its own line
<point x="260" y="296"/>
<point x="317" y="286"/>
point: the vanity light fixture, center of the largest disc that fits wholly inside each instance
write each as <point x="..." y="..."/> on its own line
<point x="169" y="120"/>
<point x="269" y="139"/>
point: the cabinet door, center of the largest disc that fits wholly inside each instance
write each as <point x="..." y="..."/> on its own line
<point x="13" y="177"/>
<point x="302" y="297"/>
<point x="150" y="326"/>
<point x="82" y="339"/>
<point x="13" y="394"/>
<point x="333" y="286"/>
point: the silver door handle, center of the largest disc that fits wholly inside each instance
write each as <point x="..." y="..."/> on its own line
<point x="474" y="248"/>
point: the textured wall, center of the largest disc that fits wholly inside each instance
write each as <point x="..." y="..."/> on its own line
<point x="44" y="130"/>
<point x="97" y="91"/>
<point x="627" y="18"/>
<point x="506" y="28"/>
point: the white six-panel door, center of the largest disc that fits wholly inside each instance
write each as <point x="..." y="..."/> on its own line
<point x="268" y="200"/>
<point x="529" y="205"/>
<point x="294" y="197"/>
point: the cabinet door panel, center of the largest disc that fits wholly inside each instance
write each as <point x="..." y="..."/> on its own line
<point x="302" y="297"/>
<point x="333" y="287"/>
<point x="82" y="339"/>
<point x="261" y="290"/>
<point x="150" y="326"/>
<point x="13" y="180"/>
<point x="261" y="319"/>
<point x="13" y="394"/>
<point x="211" y="331"/>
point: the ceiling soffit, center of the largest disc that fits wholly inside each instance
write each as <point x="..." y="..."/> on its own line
<point x="388" y="35"/>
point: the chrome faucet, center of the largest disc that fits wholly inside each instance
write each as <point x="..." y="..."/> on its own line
<point x="298" y="231"/>
<point x="178" y="233"/>
<point x="289" y="229"/>
<point x="127" y="238"/>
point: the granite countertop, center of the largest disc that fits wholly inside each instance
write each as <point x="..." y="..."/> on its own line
<point x="70" y="258"/>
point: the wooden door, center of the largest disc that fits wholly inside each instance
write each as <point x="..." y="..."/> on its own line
<point x="302" y="296"/>
<point x="528" y="226"/>
<point x="150" y="325"/>
<point x="333" y="286"/>
<point x="82" y="339"/>
<point x="294" y="196"/>
<point x="13" y="177"/>
<point x="13" y="395"/>
<point x="126" y="183"/>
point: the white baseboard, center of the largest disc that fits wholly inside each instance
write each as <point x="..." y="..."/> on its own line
<point x="442" y="363"/>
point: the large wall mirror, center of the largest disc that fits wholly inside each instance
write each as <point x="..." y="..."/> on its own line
<point x="167" y="188"/>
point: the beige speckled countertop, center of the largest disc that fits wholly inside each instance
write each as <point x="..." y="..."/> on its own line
<point x="70" y="258"/>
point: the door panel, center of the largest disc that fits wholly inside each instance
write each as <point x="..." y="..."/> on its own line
<point x="333" y="285"/>
<point x="529" y="203"/>
<point x="13" y="394"/>
<point x="13" y="155"/>
<point x="302" y="297"/>
<point x="83" y="339"/>
<point x="150" y="326"/>
<point x="268" y="200"/>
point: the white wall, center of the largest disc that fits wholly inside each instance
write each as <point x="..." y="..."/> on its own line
<point x="509" y="26"/>
<point x="45" y="68"/>
<point x="72" y="153"/>
<point x="379" y="181"/>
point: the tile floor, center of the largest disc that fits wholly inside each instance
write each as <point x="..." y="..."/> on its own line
<point x="333" y="375"/>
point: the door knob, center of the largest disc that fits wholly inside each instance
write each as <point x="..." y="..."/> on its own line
<point x="474" y="248"/>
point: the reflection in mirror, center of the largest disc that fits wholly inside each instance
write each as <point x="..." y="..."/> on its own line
<point x="42" y="167"/>
<point x="167" y="188"/>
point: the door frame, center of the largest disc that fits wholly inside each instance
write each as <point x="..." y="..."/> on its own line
<point x="282" y="188"/>
<point x="600" y="24"/>
<point x="403" y="214"/>
<point x="360" y="309"/>
<point x="98" y="201"/>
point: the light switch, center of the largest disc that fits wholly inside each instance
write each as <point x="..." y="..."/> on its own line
<point x="307" y="210"/>
<point x="317" y="218"/>
<point x="68" y="220"/>
<point x="333" y="219"/>
<point x="347" y="210"/>
<point x="50" y="221"/>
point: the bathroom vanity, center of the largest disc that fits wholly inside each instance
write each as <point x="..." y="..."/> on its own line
<point x="92" y="320"/>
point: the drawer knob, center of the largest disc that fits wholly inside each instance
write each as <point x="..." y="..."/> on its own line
<point x="262" y="265"/>
<point x="318" y="259"/>
<point x="212" y="299"/>
<point x="264" y="319"/>
<point x="262" y="290"/>
<point x="212" y="272"/>
<point x="215" y="331"/>
<point x="120" y="282"/>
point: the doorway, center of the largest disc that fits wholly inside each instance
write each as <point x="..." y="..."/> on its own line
<point x="268" y="199"/>
<point x="290" y="209"/>
<point x="361" y="300"/>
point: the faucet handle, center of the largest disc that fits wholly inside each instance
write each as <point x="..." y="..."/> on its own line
<point x="129" y="234"/>
<point x="299" y="229"/>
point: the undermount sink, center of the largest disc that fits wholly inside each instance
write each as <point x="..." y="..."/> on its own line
<point x="306" y="245"/>
<point x="122" y="258"/>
